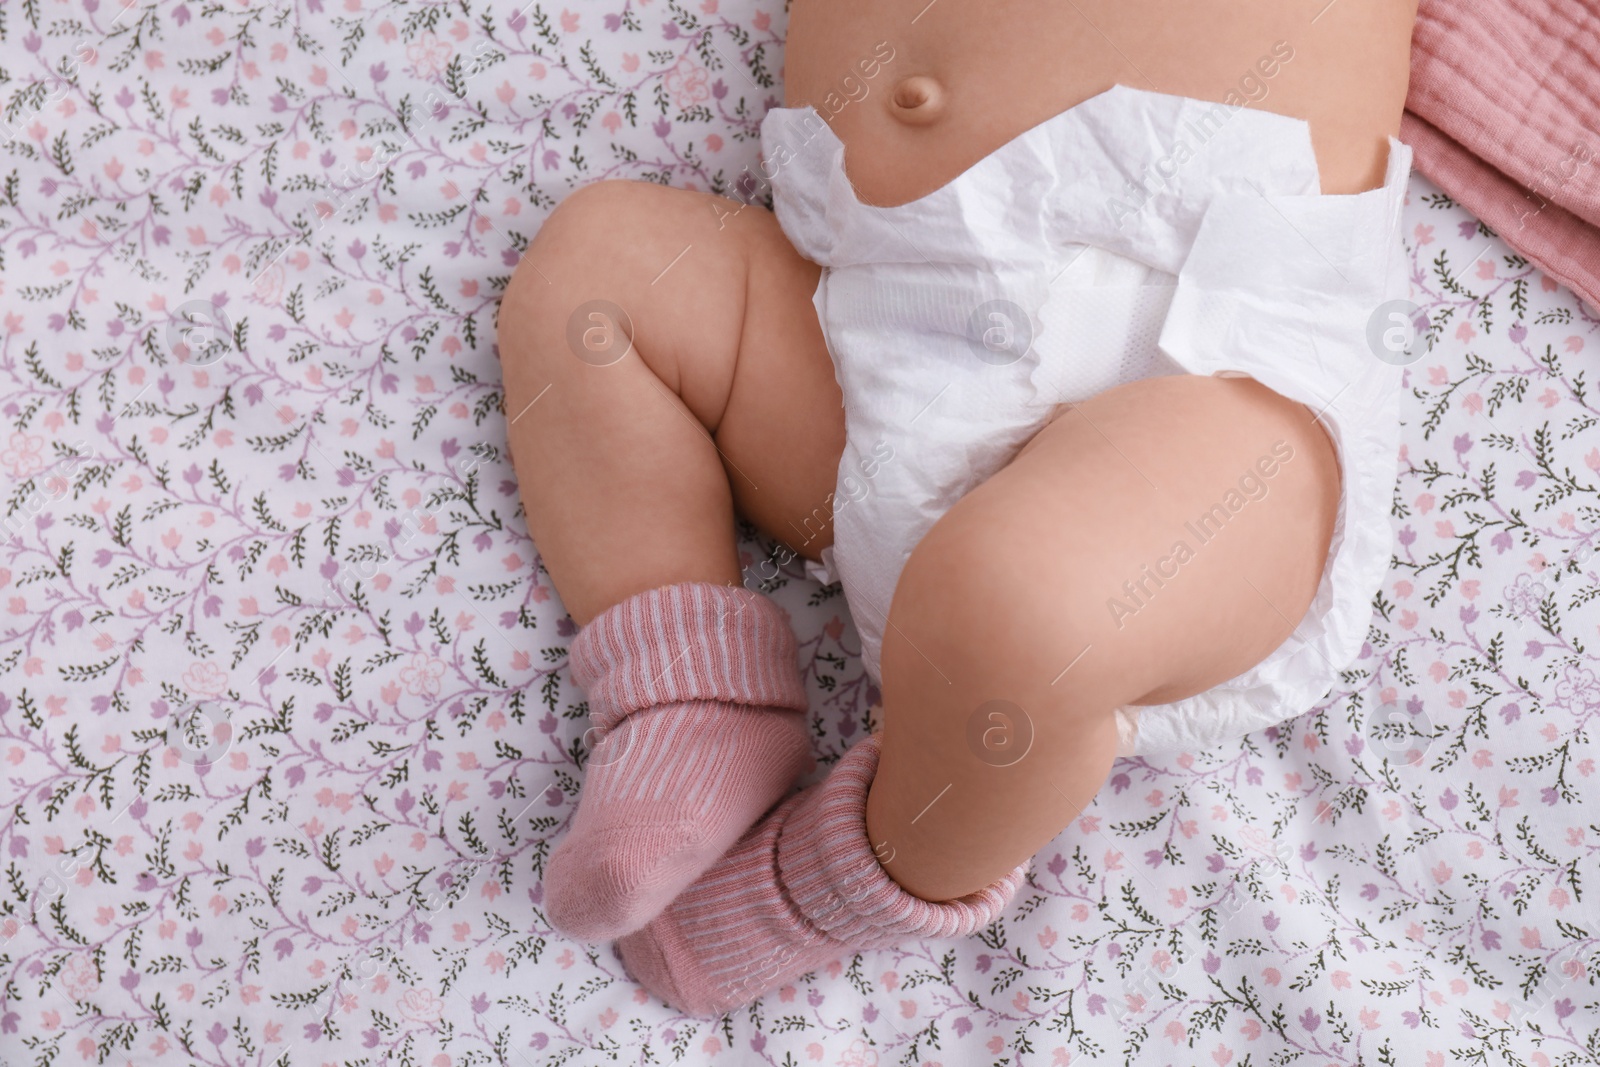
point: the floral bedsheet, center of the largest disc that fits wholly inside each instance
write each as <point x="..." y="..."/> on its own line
<point x="286" y="729"/>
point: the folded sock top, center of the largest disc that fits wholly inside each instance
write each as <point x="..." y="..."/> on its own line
<point x="688" y="641"/>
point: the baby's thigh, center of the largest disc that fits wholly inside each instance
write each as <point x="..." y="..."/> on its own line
<point x="1146" y="517"/>
<point x="717" y="304"/>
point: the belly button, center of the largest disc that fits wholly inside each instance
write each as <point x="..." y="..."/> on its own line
<point x="917" y="100"/>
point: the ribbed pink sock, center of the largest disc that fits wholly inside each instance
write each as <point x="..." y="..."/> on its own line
<point x="802" y="888"/>
<point x="698" y="701"/>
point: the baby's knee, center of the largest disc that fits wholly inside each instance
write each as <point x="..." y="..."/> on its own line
<point x="608" y="206"/>
<point x="587" y="232"/>
<point x="578" y="273"/>
<point x="971" y="594"/>
<point x="1010" y="587"/>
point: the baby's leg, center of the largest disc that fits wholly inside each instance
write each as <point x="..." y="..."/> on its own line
<point x="924" y="831"/>
<point x="631" y="466"/>
<point x="663" y="365"/>
<point x="1001" y="624"/>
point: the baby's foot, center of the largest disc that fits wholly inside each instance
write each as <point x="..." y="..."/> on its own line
<point x="802" y="888"/>
<point x="695" y="689"/>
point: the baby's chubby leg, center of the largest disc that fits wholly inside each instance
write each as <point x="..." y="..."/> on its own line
<point x="1002" y="665"/>
<point x="1014" y="634"/>
<point x="632" y="456"/>
<point x="663" y="365"/>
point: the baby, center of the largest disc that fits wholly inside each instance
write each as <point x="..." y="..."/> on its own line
<point x="1058" y="353"/>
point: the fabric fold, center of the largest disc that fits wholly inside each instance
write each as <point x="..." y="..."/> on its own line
<point x="1502" y="113"/>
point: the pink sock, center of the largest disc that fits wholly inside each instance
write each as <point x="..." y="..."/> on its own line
<point x="700" y="714"/>
<point x="802" y="888"/>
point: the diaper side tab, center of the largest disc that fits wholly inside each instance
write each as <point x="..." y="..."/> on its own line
<point x="1283" y="288"/>
<point x="798" y="157"/>
<point x="1288" y="283"/>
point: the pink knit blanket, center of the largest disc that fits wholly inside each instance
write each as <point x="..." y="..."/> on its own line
<point x="1504" y="115"/>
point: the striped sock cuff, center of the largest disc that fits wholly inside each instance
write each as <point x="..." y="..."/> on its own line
<point x="682" y="642"/>
<point x="827" y="865"/>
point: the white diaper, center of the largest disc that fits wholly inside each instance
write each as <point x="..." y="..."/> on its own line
<point x="1134" y="235"/>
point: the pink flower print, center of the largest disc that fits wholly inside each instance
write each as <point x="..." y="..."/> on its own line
<point x="1524" y="595"/>
<point x="421" y="678"/>
<point x="205" y="679"/>
<point x="858" y="1055"/>
<point x="1578" y="689"/>
<point x="268" y="286"/>
<point x="24" y="454"/>
<point x="429" y="55"/>
<point x="80" y="978"/>
<point x="420" y="1005"/>
<point x="687" y="83"/>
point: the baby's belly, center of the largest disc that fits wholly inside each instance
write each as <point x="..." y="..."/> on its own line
<point x="919" y="92"/>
